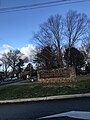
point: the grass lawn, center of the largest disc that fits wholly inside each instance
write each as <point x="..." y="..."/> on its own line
<point x="82" y="85"/>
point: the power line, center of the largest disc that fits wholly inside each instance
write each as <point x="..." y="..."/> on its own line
<point x="40" y="5"/>
<point x="34" y="5"/>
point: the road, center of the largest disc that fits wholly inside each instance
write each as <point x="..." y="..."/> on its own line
<point x="34" y="110"/>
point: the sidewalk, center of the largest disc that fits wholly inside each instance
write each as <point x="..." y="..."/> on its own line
<point x="45" y="98"/>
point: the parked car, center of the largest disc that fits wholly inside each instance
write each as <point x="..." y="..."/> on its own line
<point x="14" y="78"/>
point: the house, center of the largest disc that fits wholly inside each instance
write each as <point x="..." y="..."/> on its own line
<point x="26" y="74"/>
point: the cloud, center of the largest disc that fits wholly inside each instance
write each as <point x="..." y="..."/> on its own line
<point x="28" y="51"/>
<point x="6" y="48"/>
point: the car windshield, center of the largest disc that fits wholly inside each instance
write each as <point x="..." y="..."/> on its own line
<point x="44" y="59"/>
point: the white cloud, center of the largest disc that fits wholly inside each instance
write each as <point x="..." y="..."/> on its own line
<point x="6" y="48"/>
<point x="28" y="51"/>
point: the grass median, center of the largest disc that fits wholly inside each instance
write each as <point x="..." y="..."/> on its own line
<point x="35" y="89"/>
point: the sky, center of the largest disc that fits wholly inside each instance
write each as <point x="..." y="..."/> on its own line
<point x="17" y="28"/>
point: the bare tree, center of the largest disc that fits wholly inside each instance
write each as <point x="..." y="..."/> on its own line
<point x="5" y="62"/>
<point x="76" y="25"/>
<point x="11" y="60"/>
<point x="75" y="28"/>
<point x="50" y="34"/>
<point x="85" y="48"/>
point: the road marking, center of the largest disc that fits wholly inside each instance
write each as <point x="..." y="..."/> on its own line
<point x="73" y="114"/>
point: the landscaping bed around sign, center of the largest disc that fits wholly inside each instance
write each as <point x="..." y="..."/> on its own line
<point x="36" y="89"/>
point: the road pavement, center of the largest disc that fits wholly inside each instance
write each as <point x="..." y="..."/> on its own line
<point x="39" y="109"/>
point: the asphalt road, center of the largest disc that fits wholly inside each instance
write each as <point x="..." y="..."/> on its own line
<point x="34" y="110"/>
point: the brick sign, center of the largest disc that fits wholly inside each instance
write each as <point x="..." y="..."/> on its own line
<point x="54" y="73"/>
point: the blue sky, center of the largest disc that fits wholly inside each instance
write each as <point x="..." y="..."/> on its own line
<point x="16" y="28"/>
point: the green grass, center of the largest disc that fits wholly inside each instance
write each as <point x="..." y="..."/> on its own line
<point x="82" y="85"/>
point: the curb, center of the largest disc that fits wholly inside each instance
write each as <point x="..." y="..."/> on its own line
<point x="45" y="98"/>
